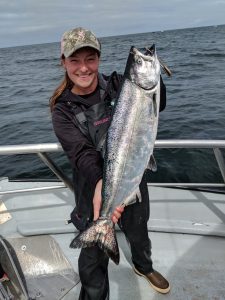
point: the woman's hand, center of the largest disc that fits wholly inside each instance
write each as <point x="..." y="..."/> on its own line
<point x="97" y="203"/>
<point x="97" y="199"/>
<point x="117" y="214"/>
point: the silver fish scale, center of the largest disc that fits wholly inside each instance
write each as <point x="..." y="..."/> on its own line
<point x="129" y="144"/>
<point x="130" y="141"/>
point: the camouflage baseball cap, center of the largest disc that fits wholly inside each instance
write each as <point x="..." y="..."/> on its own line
<point x="78" y="38"/>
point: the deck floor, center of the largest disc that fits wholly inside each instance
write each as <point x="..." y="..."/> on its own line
<point x="193" y="264"/>
<point x="187" y="230"/>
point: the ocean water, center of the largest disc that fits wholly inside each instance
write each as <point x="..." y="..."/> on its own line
<point x="195" y="100"/>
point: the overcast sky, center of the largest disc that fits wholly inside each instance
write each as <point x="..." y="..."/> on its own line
<point x="25" y="22"/>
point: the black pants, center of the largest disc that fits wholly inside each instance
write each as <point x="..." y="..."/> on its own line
<point x="93" y="262"/>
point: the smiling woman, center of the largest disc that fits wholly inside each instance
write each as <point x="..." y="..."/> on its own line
<point x="80" y="52"/>
<point x="82" y="109"/>
<point x="82" y="69"/>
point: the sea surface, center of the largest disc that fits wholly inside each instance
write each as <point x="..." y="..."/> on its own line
<point x="195" y="100"/>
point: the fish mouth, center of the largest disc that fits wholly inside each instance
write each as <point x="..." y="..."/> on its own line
<point x="149" y="52"/>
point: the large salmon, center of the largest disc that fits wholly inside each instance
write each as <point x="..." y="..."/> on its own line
<point x="129" y="146"/>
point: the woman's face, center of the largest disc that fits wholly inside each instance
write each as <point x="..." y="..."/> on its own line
<point x="82" y="69"/>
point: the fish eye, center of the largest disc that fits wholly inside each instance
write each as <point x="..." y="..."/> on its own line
<point x="138" y="60"/>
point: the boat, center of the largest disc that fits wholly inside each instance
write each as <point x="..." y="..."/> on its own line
<point x="187" y="229"/>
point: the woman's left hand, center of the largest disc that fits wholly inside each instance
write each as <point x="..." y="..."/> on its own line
<point x="117" y="214"/>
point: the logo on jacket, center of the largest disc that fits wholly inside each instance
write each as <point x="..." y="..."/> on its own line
<point x="102" y="121"/>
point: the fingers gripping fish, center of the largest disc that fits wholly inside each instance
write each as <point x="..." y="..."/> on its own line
<point x="129" y="146"/>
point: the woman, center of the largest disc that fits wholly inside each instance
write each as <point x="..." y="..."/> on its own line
<point x="81" y="110"/>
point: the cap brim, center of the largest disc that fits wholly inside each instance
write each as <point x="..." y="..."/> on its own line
<point x="68" y="54"/>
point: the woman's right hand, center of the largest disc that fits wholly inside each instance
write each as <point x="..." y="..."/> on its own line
<point x="97" y="203"/>
<point x="97" y="199"/>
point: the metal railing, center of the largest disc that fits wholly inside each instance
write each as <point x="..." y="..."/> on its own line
<point x="215" y="145"/>
<point x="42" y="149"/>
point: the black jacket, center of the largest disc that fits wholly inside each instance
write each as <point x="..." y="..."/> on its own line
<point x="86" y="161"/>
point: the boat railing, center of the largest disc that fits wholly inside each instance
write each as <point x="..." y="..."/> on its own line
<point x="42" y="150"/>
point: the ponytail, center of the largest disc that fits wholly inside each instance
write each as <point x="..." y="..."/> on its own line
<point x="66" y="83"/>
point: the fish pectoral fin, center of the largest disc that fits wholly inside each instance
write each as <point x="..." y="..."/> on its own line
<point x="154" y="103"/>
<point x="138" y="194"/>
<point x="152" y="165"/>
<point x="132" y="197"/>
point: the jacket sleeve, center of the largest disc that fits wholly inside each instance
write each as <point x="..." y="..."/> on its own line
<point x="84" y="158"/>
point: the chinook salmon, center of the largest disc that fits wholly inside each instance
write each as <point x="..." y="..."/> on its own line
<point x="129" y="146"/>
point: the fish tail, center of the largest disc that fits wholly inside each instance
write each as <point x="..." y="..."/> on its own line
<point x="101" y="233"/>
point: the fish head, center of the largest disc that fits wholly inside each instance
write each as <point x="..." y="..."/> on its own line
<point x="143" y="69"/>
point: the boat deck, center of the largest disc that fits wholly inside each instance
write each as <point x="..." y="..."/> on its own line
<point x="187" y="229"/>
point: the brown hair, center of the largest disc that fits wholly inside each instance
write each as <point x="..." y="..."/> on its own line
<point x="66" y="83"/>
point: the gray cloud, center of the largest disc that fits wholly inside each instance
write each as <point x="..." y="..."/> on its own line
<point x="28" y="21"/>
